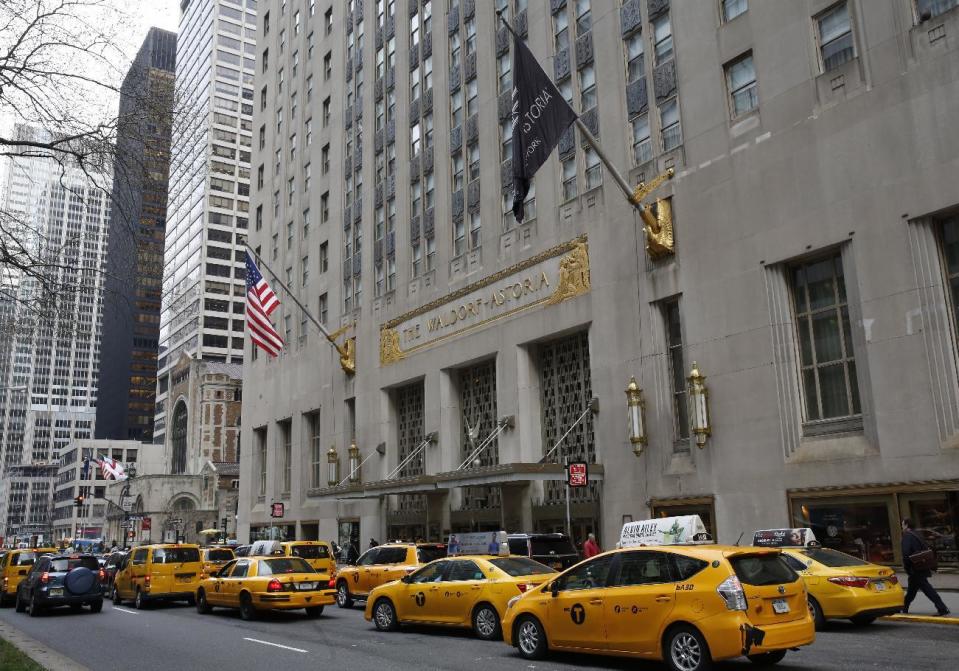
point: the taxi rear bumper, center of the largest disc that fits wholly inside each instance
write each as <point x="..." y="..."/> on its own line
<point x="294" y="600"/>
<point x="852" y="601"/>
<point x="756" y="639"/>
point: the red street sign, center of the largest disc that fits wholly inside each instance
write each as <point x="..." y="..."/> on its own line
<point x="577" y="474"/>
<point x="146" y="524"/>
<point x="276" y="510"/>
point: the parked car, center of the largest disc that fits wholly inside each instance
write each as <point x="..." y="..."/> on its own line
<point x="62" y="580"/>
<point x="555" y="550"/>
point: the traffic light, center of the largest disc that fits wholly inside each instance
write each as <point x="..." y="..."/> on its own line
<point x="78" y="501"/>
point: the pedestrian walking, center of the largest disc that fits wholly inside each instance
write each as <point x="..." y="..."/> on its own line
<point x="373" y="543"/>
<point x="917" y="570"/>
<point x="591" y="547"/>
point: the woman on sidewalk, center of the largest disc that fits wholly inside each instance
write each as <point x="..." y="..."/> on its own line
<point x="918" y="578"/>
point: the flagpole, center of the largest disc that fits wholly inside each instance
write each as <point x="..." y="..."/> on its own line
<point x="342" y="351"/>
<point x="628" y="191"/>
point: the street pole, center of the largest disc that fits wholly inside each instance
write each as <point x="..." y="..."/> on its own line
<point x="569" y="517"/>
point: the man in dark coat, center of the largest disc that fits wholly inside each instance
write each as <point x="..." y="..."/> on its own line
<point x="918" y="579"/>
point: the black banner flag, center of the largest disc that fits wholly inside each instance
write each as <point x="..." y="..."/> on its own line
<point x="540" y="116"/>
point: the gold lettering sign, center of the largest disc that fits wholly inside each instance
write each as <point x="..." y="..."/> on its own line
<point x="549" y="278"/>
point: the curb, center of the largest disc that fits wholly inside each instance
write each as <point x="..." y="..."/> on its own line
<point x="923" y="619"/>
<point x="49" y="659"/>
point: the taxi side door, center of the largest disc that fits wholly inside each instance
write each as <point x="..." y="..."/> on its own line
<point x="216" y="594"/>
<point x="390" y="565"/>
<point x="362" y="576"/>
<point x="640" y="597"/>
<point x="576" y="616"/>
<point x="233" y="584"/>
<point x="121" y="579"/>
<point x="461" y="590"/>
<point x="139" y="567"/>
<point x="419" y="599"/>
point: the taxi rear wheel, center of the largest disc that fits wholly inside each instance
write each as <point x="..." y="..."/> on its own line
<point x="247" y="611"/>
<point x="530" y="638"/>
<point x="384" y="615"/>
<point x="686" y="650"/>
<point x="486" y="623"/>
<point x="817" y="615"/>
<point x="117" y="601"/>
<point x="767" y="658"/>
<point x="343" y="599"/>
<point x="139" y="600"/>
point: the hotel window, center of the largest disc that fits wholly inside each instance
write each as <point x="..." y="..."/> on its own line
<point x="327" y="66"/>
<point x="427" y="73"/>
<point x="569" y="177"/>
<point x="587" y="88"/>
<point x="415" y="84"/>
<point x="309" y="88"/>
<point x="414" y="30"/>
<point x="416" y="198"/>
<point x="634" y="56"/>
<point x="415" y="139"/>
<point x="296" y="64"/>
<point x="428" y="200"/>
<point x="473" y="155"/>
<point x="584" y="20"/>
<point x="506" y="140"/>
<point x="309" y="132"/>
<point x="380" y="114"/>
<point x="279" y="81"/>
<point x="417" y="259"/>
<point x="306" y="223"/>
<point x="503" y="66"/>
<point x="594" y="169"/>
<point x="471" y="35"/>
<point x="950" y="250"/>
<point x="933" y="8"/>
<point x="835" y="37"/>
<point x="455" y="51"/>
<point x="261" y="439"/>
<point x="323" y="311"/>
<point x="307" y="178"/>
<point x="380" y="62"/>
<point x="326" y="113"/>
<point x="459" y="237"/>
<point x="427" y="16"/>
<point x="733" y="8"/>
<point x="324" y="257"/>
<point x="325" y="207"/>
<point x="642" y="145"/>
<point x="390" y="274"/>
<point x="325" y="158"/>
<point x="456" y="109"/>
<point x="669" y="122"/>
<point x="287" y="451"/>
<point x="310" y="43"/>
<point x="472" y="97"/>
<point x="457" y="171"/>
<point x="677" y="367"/>
<point x="430" y="253"/>
<point x="391" y="53"/>
<point x="663" y="38"/>
<point x="827" y="361"/>
<point x="328" y="20"/>
<point x="305" y="266"/>
<point x="379" y="279"/>
<point x="279" y="120"/>
<point x="741" y="82"/>
<point x="428" y="130"/>
<point x="475" y="229"/>
<point x="561" y="30"/>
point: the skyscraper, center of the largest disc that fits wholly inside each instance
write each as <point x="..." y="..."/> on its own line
<point x="207" y="210"/>
<point x="131" y="314"/>
<point x="52" y="319"/>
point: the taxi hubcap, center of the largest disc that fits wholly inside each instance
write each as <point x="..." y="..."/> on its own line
<point x="383" y="615"/>
<point x="685" y="652"/>
<point x="528" y="637"/>
<point x="341" y="594"/>
<point x="486" y="622"/>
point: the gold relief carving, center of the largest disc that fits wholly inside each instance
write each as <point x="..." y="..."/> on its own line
<point x="659" y="228"/>
<point x="573" y="275"/>
<point x="390" y="350"/>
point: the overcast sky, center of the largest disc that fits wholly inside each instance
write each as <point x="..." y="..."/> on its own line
<point x="160" y="13"/>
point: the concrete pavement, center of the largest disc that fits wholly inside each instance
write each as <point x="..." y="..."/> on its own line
<point x="176" y="637"/>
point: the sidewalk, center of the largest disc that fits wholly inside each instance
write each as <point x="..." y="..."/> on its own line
<point x="922" y="609"/>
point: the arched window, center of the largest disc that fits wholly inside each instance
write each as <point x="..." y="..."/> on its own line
<point x="178" y="438"/>
<point x="183" y="505"/>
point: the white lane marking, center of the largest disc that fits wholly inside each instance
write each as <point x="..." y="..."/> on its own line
<point x="124" y="610"/>
<point x="275" y="645"/>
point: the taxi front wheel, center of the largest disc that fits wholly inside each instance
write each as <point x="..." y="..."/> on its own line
<point x="384" y="615"/>
<point x="530" y="638"/>
<point x="202" y="605"/>
<point x="343" y="599"/>
<point x="686" y="650"/>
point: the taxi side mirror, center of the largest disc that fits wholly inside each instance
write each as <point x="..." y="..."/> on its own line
<point x="554" y="588"/>
<point x="406" y="579"/>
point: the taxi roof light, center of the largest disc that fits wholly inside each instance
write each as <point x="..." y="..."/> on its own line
<point x="785" y="538"/>
<point x="680" y="530"/>
<point x="731" y="590"/>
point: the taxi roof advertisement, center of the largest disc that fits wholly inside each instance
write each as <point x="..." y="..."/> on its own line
<point x="664" y="531"/>
<point x="778" y="538"/>
<point x="481" y="543"/>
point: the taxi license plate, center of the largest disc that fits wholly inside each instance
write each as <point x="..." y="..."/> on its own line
<point x="880" y="586"/>
<point x="56" y="592"/>
<point x="780" y="606"/>
<point x="304" y="586"/>
<point x="557" y="565"/>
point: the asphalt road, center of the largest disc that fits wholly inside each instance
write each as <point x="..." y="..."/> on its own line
<point x="168" y="637"/>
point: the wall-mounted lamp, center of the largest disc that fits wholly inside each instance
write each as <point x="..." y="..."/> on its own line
<point x="636" y="409"/>
<point x="699" y="407"/>
<point x="354" y="463"/>
<point x="333" y="461"/>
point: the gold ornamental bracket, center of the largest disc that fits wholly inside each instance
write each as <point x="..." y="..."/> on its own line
<point x="346" y="350"/>
<point x="657" y="218"/>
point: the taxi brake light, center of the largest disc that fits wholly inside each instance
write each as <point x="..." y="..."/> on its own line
<point x="731" y="590"/>
<point x="850" y="581"/>
<point x="332" y="583"/>
<point x="274" y="586"/>
<point x="103" y="575"/>
<point x="146" y="579"/>
<point x="894" y="579"/>
<point x="523" y="586"/>
<point x="45" y="578"/>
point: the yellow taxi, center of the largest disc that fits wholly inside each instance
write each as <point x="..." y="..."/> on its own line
<point x="317" y="554"/>
<point x="840" y="586"/>
<point x="165" y="571"/>
<point x="254" y="584"/>
<point x="14" y="568"/>
<point x="468" y="590"/>
<point x="380" y="565"/>
<point x="687" y="603"/>
<point x="213" y="559"/>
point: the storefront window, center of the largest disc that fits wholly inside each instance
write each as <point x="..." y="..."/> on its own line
<point x="859" y="526"/>
<point x="936" y="519"/>
<point x="702" y="508"/>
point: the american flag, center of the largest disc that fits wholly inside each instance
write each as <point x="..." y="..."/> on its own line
<point x="111" y="468"/>
<point x="260" y="304"/>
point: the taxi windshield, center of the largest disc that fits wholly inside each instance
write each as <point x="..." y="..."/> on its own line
<point x="833" y="558"/>
<point x="520" y="566"/>
<point x="761" y="570"/>
<point x="64" y="564"/>
<point x="220" y="555"/>
<point x="427" y="553"/>
<point x="310" y="551"/>
<point x="288" y="565"/>
<point x="175" y="555"/>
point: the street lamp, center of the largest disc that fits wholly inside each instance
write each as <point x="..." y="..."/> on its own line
<point x="131" y="472"/>
<point x="333" y="460"/>
<point x="354" y="463"/>
<point x="636" y="413"/>
<point x="699" y="406"/>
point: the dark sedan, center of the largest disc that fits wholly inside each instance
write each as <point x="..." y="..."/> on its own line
<point x="62" y="580"/>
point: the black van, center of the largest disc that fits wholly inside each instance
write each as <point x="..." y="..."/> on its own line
<point x="555" y="550"/>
